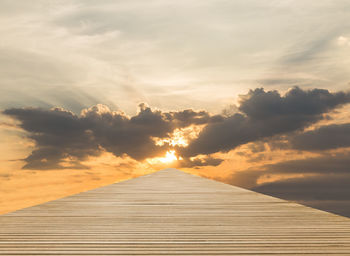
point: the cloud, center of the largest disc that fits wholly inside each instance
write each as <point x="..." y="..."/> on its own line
<point x="63" y="138"/>
<point x="125" y="49"/>
<point x="266" y="114"/>
<point x="324" y="138"/>
<point x="322" y="182"/>
<point x="314" y="191"/>
<point x="204" y="161"/>
<point x="58" y="134"/>
<point x="325" y="164"/>
<point x="338" y="163"/>
<point x="320" y="187"/>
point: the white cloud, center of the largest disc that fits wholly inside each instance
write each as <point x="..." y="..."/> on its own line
<point x="169" y="54"/>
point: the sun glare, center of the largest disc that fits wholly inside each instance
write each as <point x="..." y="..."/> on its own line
<point x="180" y="137"/>
<point x="176" y="139"/>
<point x="169" y="157"/>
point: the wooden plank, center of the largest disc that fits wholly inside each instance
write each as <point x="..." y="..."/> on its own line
<point x="172" y="213"/>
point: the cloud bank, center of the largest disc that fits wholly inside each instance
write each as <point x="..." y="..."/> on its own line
<point x="325" y="137"/>
<point x="266" y="114"/>
<point x="62" y="137"/>
<point x="324" y="183"/>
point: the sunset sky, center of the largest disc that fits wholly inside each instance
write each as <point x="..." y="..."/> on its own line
<point x="252" y="93"/>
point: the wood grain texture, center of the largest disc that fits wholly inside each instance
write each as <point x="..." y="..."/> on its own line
<point x="172" y="213"/>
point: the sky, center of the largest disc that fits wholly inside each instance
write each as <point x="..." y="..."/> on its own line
<point x="251" y="93"/>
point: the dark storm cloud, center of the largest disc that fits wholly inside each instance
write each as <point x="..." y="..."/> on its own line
<point x="324" y="138"/>
<point x="62" y="136"/>
<point x="266" y="114"/>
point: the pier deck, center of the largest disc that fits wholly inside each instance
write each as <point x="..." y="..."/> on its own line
<point x="172" y="213"/>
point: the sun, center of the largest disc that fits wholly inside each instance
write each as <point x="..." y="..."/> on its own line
<point x="169" y="157"/>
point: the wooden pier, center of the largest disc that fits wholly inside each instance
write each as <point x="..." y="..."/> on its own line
<point x="172" y="213"/>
